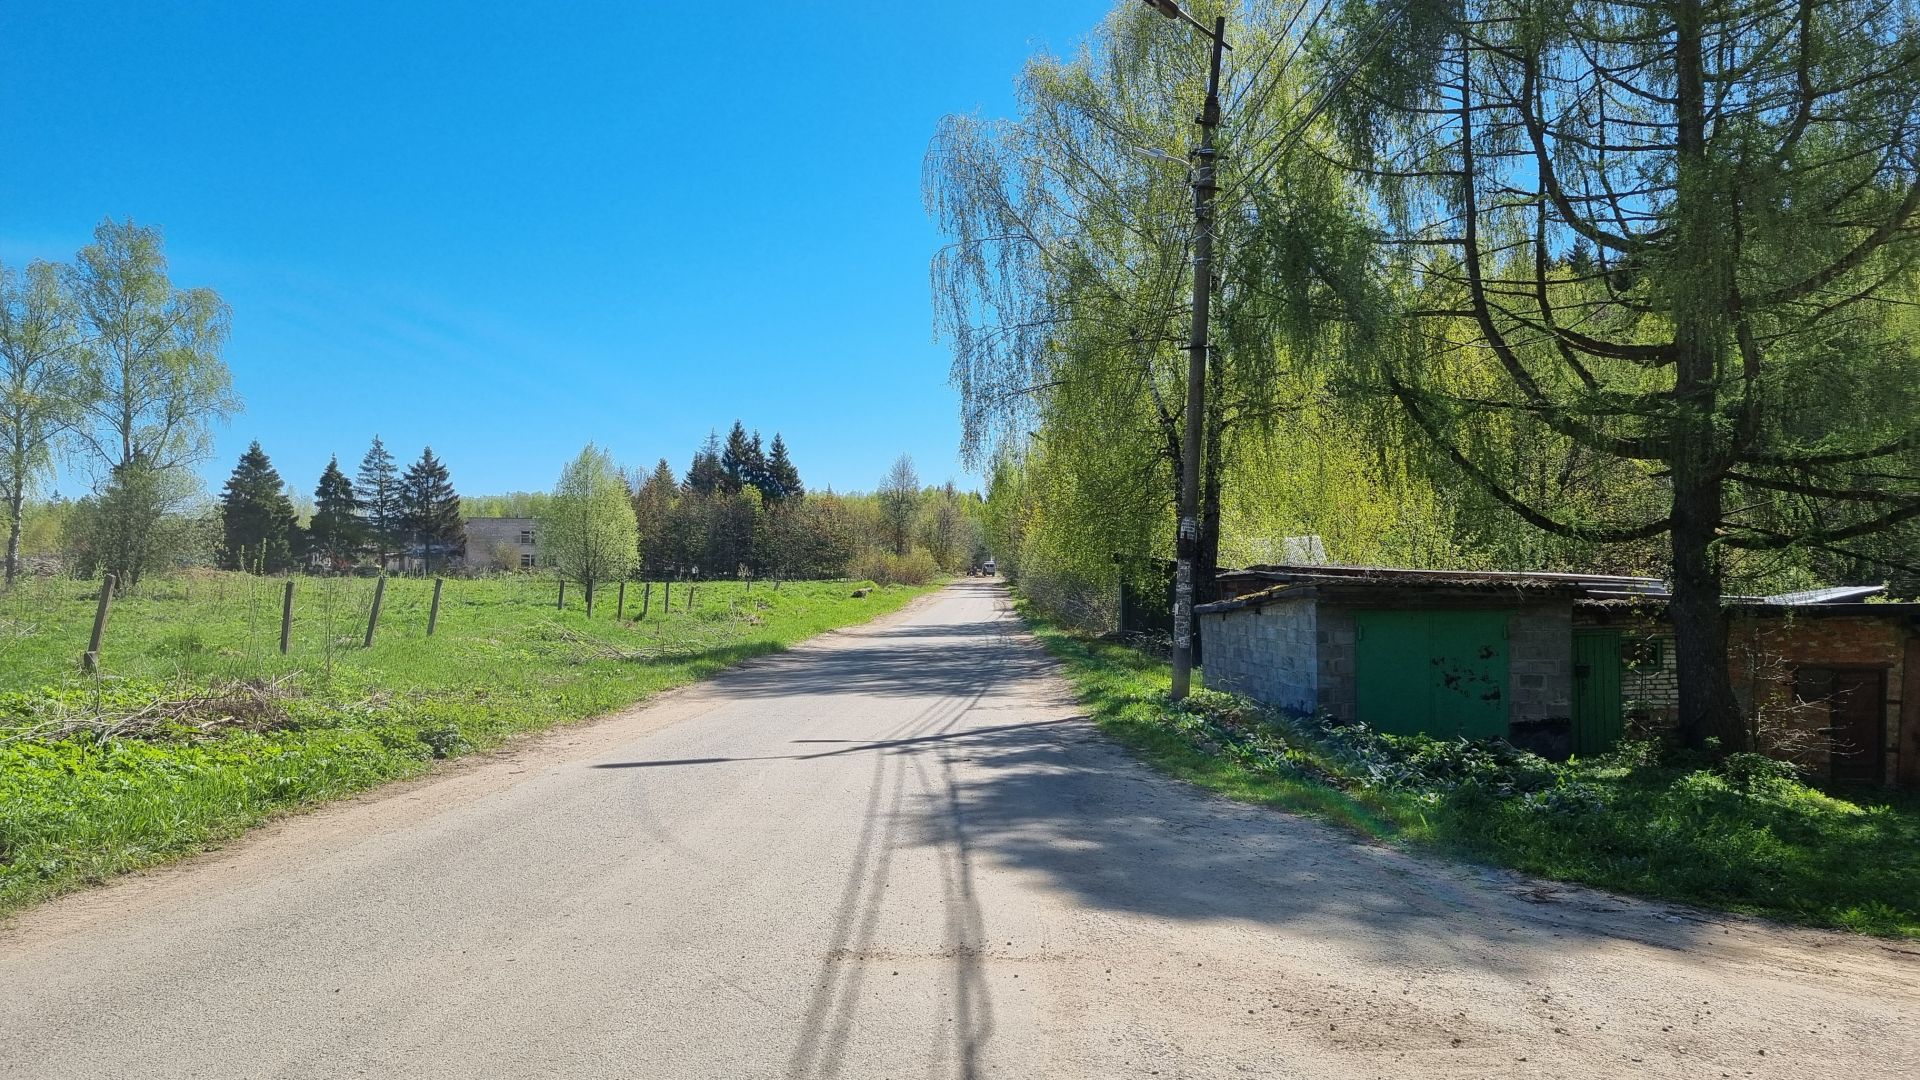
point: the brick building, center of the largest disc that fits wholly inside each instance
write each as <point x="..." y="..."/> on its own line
<point x="1565" y="663"/>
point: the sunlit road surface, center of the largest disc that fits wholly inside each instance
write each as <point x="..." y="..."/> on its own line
<point x="898" y="851"/>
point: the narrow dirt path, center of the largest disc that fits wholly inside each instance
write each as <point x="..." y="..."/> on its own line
<point x="897" y="851"/>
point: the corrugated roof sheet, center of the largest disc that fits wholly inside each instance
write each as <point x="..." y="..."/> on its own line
<point x="1607" y="589"/>
<point x="1833" y="594"/>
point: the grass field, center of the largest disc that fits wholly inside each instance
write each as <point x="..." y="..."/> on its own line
<point x="1740" y="835"/>
<point x="197" y="727"/>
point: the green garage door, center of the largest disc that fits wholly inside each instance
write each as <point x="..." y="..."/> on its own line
<point x="1596" y="690"/>
<point x="1441" y="673"/>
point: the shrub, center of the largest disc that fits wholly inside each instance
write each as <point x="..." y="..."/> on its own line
<point x="886" y="568"/>
<point x="1748" y="772"/>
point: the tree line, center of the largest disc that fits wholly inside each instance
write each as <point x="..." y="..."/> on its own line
<point x="739" y="510"/>
<point x="1610" y="286"/>
<point x="385" y="511"/>
<point x="742" y="511"/>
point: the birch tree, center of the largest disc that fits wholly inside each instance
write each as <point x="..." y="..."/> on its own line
<point x="40" y="386"/>
<point x="154" y="379"/>
<point x="588" y="529"/>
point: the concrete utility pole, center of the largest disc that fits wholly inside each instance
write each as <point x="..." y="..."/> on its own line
<point x="1187" y="551"/>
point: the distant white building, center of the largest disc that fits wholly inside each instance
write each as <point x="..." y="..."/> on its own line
<point x="502" y="543"/>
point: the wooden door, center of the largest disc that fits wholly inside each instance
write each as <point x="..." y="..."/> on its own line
<point x="1858" y="723"/>
<point x="1596" y="690"/>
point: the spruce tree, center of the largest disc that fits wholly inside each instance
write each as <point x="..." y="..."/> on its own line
<point x="736" y="461"/>
<point x="781" y="479"/>
<point x="756" y="468"/>
<point x="256" y="517"/>
<point x="653" y="507"/>
<point x="430" y="507"/>
<point x="706" y="475"/>
<point x="336" y="531"/>
<point x="378" y="495"/>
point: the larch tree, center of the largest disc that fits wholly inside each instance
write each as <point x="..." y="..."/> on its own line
<point x="1675" y="241"/>
<point x="587" y="529"/>
<point x="40" y="386"/>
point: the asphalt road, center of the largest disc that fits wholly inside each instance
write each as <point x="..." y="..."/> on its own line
<point x="897" y="852"/>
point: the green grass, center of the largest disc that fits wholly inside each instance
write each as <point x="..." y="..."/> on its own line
<point x="234" y="733"/>
<point x="1736" y="835"/>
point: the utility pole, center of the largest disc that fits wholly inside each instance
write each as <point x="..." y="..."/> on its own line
<point x="1187" y="549"/>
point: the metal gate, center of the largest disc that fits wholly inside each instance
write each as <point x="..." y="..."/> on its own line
<point x="1441" y="673"/>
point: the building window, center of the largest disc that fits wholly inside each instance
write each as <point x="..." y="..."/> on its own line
<point x="526" y="536"/>
<point x="1641" y="654"/>
<point x="527" y="561"/>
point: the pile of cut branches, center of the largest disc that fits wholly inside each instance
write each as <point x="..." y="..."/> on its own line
<point x="246" y="704"/>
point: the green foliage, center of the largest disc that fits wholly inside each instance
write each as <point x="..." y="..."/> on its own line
<point x="380" y="497"/>
<point x="429" y="507"/>
<point x="1744" y="834"/>
<point x="780" y="480"/>
<point x="587" y="529"/>
<point x="335" y="531"/>
<point x="257" y="523"/>
<point x="109" y="796"/>
<point x="153" y="381"/>
<point x="41" y="388"/>
<point x="142" y="519"/>
<point x="886" y="568"/>
<point x="899" y="498"/>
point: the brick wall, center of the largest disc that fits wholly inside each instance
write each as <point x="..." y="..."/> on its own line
<point x="1765" y="653"/>
<point x="1266" y="653"/>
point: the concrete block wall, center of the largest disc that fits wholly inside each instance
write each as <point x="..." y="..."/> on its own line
<point x="1335" y="664"/>
<point x="1540" y="663"/>
<point x="1265" y="653"/>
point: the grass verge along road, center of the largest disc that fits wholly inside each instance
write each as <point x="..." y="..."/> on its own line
<point x="1742" y="834"/>
<point x="198" y="727"/>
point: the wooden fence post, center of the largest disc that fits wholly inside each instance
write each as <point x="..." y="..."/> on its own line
<point x="561" y="604"/>
<point x="373" y="617"/>
<point x="286" y="618"/>
<point x="689" y="597"/>
<point x="646" y="599"/>
<point x="620" y="609"/>
<point x="666" y="605"/>
<point x="433" y="612"/>
<point x="90" y="660"/>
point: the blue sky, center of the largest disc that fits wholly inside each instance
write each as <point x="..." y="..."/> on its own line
<point x="505" y="229"/>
